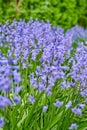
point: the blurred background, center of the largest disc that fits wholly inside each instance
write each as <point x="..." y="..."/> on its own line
<point x="64" y="13"/>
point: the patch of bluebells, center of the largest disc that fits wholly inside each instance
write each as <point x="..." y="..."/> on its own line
<point x="24" y="42"/>
<point x="10" y="79"/>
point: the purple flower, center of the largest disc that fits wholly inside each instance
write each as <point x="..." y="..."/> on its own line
<point x="17" y="77"/>
<point x="1" y="122"/>
<point x="77" y="111"/>
<point x="73" y="126"/>
<point x="81" y="106"/>
<point x="84" y="93"/>
<point x="58" y="104"/>
<point x="69" y="104"/>
<point x="63" y="84"/>
<point x="31" y="99"/>
<point x="41" y="87"/>
<point x="17" y="99"/>
<point x="48" y="91"/>
<point x="17" y="89"/>
<point x="45" y="108"/>
<point x="4" y="101"/>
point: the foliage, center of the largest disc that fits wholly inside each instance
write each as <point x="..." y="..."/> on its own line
<point x="65" y="13"/>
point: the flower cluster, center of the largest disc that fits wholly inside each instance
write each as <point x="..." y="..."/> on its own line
<point x="49" y="55"/>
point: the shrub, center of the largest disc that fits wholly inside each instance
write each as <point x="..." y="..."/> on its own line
<point x="65" y="13"/>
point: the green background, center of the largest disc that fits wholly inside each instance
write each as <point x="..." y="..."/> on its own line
<point x="65" y="13"/>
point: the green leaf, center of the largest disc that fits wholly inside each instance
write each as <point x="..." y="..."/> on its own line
<point x="31" y="112"/>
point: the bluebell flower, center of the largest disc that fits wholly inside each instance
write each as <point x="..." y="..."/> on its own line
<point x="45" y="108"/>
<point x="69" y="104"/>
<point x="77" y="111"/>
<point x="17" y="77"/>
<point x="2" y="123"/>
<point x="81" y="106"/>
<point x="58" y="104"/>
<point x="17" y="99"/>
<point x="31" y="99"/>
<point x="4" y="101"/>
<point x="63" y="84"/>
<point x="73" y="126"/>
<point x="17" y="89"/>
<point x="84" y="93"/>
